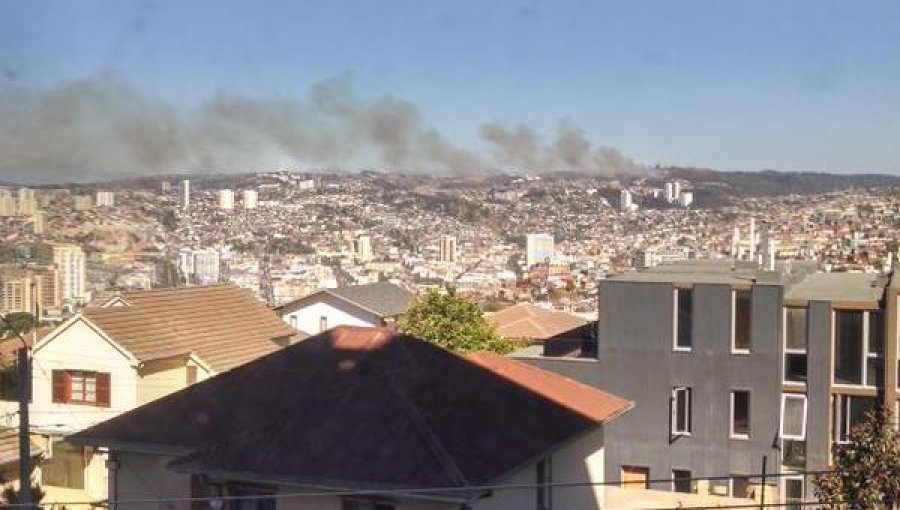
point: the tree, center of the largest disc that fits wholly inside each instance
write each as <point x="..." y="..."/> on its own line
<point x="21" y="322"/>
<point x="453" y="322"/>
<point x="866" y="471"/>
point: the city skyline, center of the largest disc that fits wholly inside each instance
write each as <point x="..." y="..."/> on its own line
<point x="799" y="87"/>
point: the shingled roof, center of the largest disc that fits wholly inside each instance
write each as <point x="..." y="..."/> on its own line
<point x="383" y="298"/>
<point x="362" y="408"/>
<point x="527" y="321"/>
<point x="223" y="324"/>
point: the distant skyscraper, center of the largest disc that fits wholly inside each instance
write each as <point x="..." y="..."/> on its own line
<point x="38" y="221"/>
<point x="670" y="192"/>
<point x="206" y="266"/>
<point x="752" y="239"/>
<point x="106" y="199"/>
<point x="26" y="203"/>
<point x="686" y="198"/>
<point x="448" y="249"/>
<point x="736" y="243"/>
<point x="539" y="249"/>
<point x="363" y="248"/>
<point x="69" y="260"/>
<point x="185" y="194"/>
<point x="251" y="199"/>
<point x="226" y="199"/>
<point x="165" y="187"/>
<point x="7" y="203"/>
<point x="626" y="201"/>
<point x="82" y="202"/>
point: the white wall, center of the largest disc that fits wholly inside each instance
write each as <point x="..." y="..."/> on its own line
<point x="338" y="311"/>
<point x="78" y="347"/>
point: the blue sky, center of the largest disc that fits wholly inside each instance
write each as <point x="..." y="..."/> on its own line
<point x="735" y="85"/>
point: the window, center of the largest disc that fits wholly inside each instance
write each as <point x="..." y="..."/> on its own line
<point x="793" y="453"/>
<point x="323" y="323"/>
<point x="81" y="387"/>
<point x="741" y="487"/>
<point x="681" y="411"/>
<point x="740" y="414"/>
<point x="849" y="411"/>
<point x="793" y="493"/>
<point x="681" y="481"/>
<point x="635" y="477"/>
<point x="795" y="366"/>
<point x="740" y="324"/>
<point x="875" y="349"/>
<point x="848" y="348"/>
<point x="246" y="497"/>
<point x="793" y="416"/>
<point x="684" y="312"/>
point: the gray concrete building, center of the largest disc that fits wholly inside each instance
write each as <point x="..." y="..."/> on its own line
<point x="728" y="364"/>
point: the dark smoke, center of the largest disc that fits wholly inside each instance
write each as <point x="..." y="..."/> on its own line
<point x="103" y="128"/>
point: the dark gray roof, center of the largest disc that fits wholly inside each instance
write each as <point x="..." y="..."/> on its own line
<point x="382" y="298"/>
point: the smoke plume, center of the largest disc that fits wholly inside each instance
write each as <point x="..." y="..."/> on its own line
<point x="104" y="128"/>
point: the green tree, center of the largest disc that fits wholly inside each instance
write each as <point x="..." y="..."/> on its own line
<point x="452" y="321"/>
<point x="23" y="322"/>
<point x="866" y="471"/>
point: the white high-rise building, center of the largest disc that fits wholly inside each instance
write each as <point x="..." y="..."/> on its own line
<point x="206" y="266"/>
<point x="736" y="243"/>
<point x="38" y="222"/>
<point x="184" y="194"/>
<point x="670" y="192"/>
<point x="448" y="249"/>
<point x="626" y="201"/>
<point x="7" y="203"/>
<point x="539" y="249"/>
<point x="106" y="199"/>
<point x="165" y="187"/>
<point x="226" y="199"/>
<point x="686" y="198"/>
<point x="752" y="239"/>
<point x="70" y="261"/>
<point x="363" y="248"/>
<point x="251" y="199"/>
<point x="27" y="203"/>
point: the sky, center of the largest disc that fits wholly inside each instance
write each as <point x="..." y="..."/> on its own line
<point x="801" y="85"/>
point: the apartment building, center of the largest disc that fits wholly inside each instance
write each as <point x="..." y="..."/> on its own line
<point x="728" y="363"/>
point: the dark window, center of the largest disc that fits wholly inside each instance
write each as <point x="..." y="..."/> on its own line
<point x="793" y="493"/>
<point x="795" y="367"/>
<point x="81" y="387"/>
<point x="323" y="323"/>
<point x="875" y="350"/>
<point x="681" y="481"/>
<point x="253" y="500"/>
<point x="364" y="504"/>
<point x="848" y="349"/>
<point x="740" y="487"/>
<point x="684" y="318"/>
<point x="742" y="313"/>
<point x="793" y="453"/>
<point x="681" y="411"/>
<point x="543" y="478"/>
<point x="740" y="413"/>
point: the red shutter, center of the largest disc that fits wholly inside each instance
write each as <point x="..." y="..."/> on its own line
<point x="103" y="389"/>
<point x="61" y="387"/>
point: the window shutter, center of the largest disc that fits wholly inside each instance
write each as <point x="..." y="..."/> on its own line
<point x="60" y="386"/>
<point x="103" y="389"/>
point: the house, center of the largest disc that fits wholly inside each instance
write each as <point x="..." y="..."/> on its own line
<point x="727" y="363"/>
<point x="356" y="414"/>
<point x="107" y="360"/>
<point x="557" y="332"/>
<point x="373" y="305"/>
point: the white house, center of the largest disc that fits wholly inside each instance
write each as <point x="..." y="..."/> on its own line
<point x="141" y="346"/>
<point x="371" y="305"/>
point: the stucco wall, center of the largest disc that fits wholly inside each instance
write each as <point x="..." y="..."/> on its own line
<point x="338" y="311"/>
<point x="161" y="377"/>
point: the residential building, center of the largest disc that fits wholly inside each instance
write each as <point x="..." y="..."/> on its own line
<point x="105" y="198"/>
<point x="251" y="199"/>
<point x="301" y="419"/>
<point x="372" y="305"/>
<point x="539" y="249"/>
<point x="686" y="198"/>
<point x="38" y="222"/>
<point x="447" y="249"/>
<point x="626" y="201"/>
<point x="82" y="203"/>
<point x="27" y="202"/>
<point x="29" y="290"/>
<point x="199" y="266"/>
<point x="184" y="194"/>
<point x="7" y="203"/>
<point x="70" y="261"/>
<point x="362" y="248"/>
<point x="226" y="199"/>
<point x="555" y="332"/>
<point x="729" y="363"/>
<point x="138" y="347"/>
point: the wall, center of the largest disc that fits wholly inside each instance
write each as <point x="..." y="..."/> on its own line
<point x="338" y="311"/>
<point x="142" y="476"/>
<point x="636" y="361"/>
<point x="159" y="378"/>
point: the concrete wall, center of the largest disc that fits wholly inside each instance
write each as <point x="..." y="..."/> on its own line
<point x="636" y="361"/>
<point x="142" y="476"/>
<point x="161" y="377"/>
<point x="338" y="311"/>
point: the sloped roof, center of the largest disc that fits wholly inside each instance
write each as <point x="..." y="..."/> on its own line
<point x="362" y="408"/>
<point x="223" y="324"/>
<point x="383" y="298"/>
<point x="9" y="445"/>
<point x="525" y="320"/>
